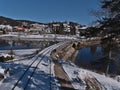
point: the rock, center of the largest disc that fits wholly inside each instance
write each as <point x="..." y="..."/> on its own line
<point x="1" y="77"/>
<point x="117" y="78"/>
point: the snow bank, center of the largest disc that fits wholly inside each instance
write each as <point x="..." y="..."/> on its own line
<point x="75" y="72"/>
<point x="4" y="55"/>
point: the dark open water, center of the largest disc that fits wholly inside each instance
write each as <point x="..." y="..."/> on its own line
<point x="93" y="58"/>
<point x="20" y="44"/>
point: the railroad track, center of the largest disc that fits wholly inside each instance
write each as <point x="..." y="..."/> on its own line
<point x="27" y="75"/>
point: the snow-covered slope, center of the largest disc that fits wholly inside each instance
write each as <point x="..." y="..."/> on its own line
<point x="79" y="78"/>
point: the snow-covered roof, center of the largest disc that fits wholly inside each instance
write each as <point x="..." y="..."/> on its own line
<point x="5" y="26"/>
<point x="83" y="27"/>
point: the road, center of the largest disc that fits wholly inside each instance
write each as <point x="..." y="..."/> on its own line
<point x="46" y="37"/>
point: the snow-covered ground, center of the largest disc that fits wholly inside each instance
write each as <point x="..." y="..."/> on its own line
<point x="19" y="54"/>
<point x="44" y="77"/>
<point x="78" y="75"/>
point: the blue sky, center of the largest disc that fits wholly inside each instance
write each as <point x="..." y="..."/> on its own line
<point x="49" y="10"/>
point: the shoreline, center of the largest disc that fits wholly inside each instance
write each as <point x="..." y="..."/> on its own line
<point x="74" y="56"/>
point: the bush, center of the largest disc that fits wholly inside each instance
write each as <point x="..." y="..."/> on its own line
<point x="3" y="59"/>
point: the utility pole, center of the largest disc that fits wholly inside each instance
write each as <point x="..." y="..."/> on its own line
<point x="108" y="66"/>
<point x="11" y="45"/>
<point x="55" y="25"/>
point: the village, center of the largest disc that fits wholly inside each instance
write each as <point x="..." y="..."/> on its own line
<point x="60" y="45"/>
<point x="64" y="28"/>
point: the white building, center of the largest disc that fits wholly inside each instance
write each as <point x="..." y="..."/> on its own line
<point x="6" y="27"/>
